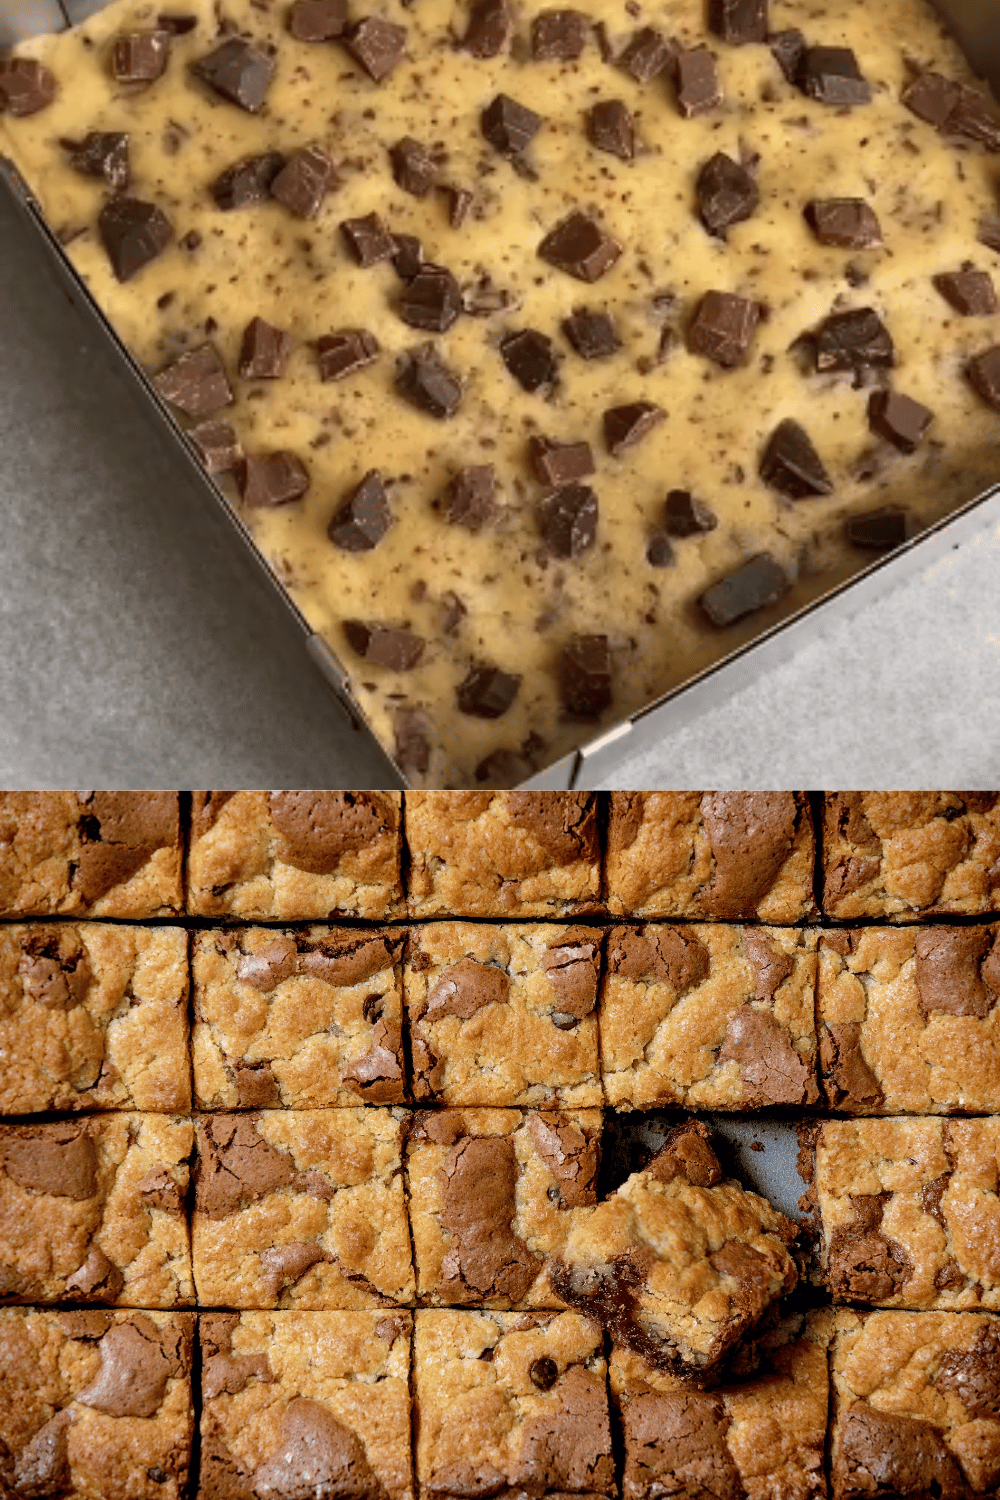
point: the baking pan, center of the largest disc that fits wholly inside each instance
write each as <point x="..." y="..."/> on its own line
<point x="976" y="24"/>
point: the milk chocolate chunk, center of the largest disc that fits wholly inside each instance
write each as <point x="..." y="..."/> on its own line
<point x="593" y="334"/>
<point x="646" y="54"/>
<point x="758" y="583"/>
<point x="857" y="340"/>
<point x="219" y="449"/>
<point x="970" y="292"/>
<point x="580" y="247"/>
<point x="431" y="301"/>
<point x="264" y="351"/>
<point x="685" y="516"/>
<point x="413" y="167"/>
<point x="698" y="88"/>
<point x="738" y="21"/>
<point x="585" y="676"/>
<point x="723" y="328"/>
<point x="846" y="223"/>
<point x="408" y="256"/>
<point x="509" y="126"/>
<point x="610" y="128"/>
<point x="487" y="692"/>
<point x="625" y="426"/>
<point x="102" y="153"/>
<point x="560" y="463"/>
<point x="899" y="419"/>
<point x="317" y="20"/>
<point x="489" y="28"/>
<point x="567" y="520"/>
<point x="133" y="233"/>
<point x="973" y="1375"/>
<point x="26" y="86"/>
<point x="377" y="46"/>
<point x="427" y="383"/>
<point x="530" y="358"/>
<point x="304" y="181"/>
<point x="984" y="373"/>
<point x="267" y="480"/>
<point x="237" y="71"/>
<point x="364" y="518"/>
<point x="195" y="383"/>
<point x="569" y="1155"/>
<point x="247" y="181"/>
<point x="342" y="354"/>
<point x="559" y="35"/>
<point x="832" y="76"/>
<point x="931" y="97"/>
<point x="659" y="552"/>
<point x="787" y="48"/>
<point x="726" y="194"/>
<point x="880" y="530"/>
<point x="470" y="498"/>
<point x="385" y="645"/>
<point x="791" y="464"/>
<point x="140" y="56"/>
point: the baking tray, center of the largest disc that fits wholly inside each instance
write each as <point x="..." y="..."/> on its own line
<point x="976" y="24"/>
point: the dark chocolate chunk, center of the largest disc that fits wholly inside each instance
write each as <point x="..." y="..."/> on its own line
<point x="880" y="530"/>
<point x="247" y="181"/>
<point x="723" y="327"/>
<point x="646" y="55"/>
<point x="559" y="35"/>
<point x="385" y="645"/>
<point x="317" y="20"/>
<point x="509" y="126"/>
<point x="139" y="56"/>
<point x="973" y="118"/>
<point x="219" y="449"/>
<point x="984" y="373"/>
<point x="487" y="693"/>
<point x="470" y="498"/>
<point x="698" y="88"/>
<point x="176" y="25"/>
<point x="788" y="48"/>
<point x="344" y="353"/>
<point x="931" y="97"/>
<point x="364" y="518"/>
<point x="453" y="612"/>
<point x="791" y="464"/>
<point x="133" y="233"/>
<point x="530" y="358"/>
<point x="592" y="334"/>
<point x="237" y="71"/>
<point x="377" y="46"/>
<point x="659" y="552"/>
<point x="832" y="75"/>
<point x="585" y="676"/>
<point x="408" y="256"/>
<point x="580" y="247"/>
<point x="413" y="746"/>
<point x="685" y="516"/>
<point x="431" y="301"/>
<point x="427" y="383"/>
<point x="610" y="128"/>
<point x="264" y="351"/>
<point x="753" y="586"/>
<point x="726" y="194"/>
<point x="267" y="480"/>
<point x="567" y="520"/>
<point x="970" y="292"/>
<point x="368" y="239"/>
<point x="459" y="203"/>
<point x="558" y="464"/>
<point x="26" y="86"/>
<point x="102" y="153"/>
<point x="989" y="234"/>
<point x="195" y="383"/>
<point x="899" y="419"/>
<point x="738" y="21"/>
<point x="304" y="181"/>
<point x="413" y="167"/>
<point x="625" y="426"/>
<point x="857" y="340"/>
<point x="846" y="223"/>
<point x="489" y="28"/>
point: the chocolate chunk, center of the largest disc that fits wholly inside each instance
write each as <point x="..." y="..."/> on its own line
<point x="857" y="340"/>
<point x="413" y="746"/>
<point x="139" y="56"/>
<point x="284" y="1265"/>
<point x="427" y="383"/>
<point x="698" y="88"/>
<point x="788" y="48"/>
<point x="560" y="463"/>
<point x="592" y="334"/>
<point x="264" y="351"/>
<point x="832" y="75"/>
<point x="659" y="552"/>
<point x="846" y="223"/>
<point x="267" y="480"/>
<point x="489" y="28"/>
<point x="756" y="584"/>
<point x="195" y="383"/>
<point x="464" y="989"/>
<point x="559" y="35"/>
<point x="120" y="832"/>
<point x="625" y="426"/>
<point x="408" y="256"/>
<point x="954" y="968"/>
<point x="579" y="246"/>
<point x="882" y="1453"/>
<point x="508" y="126"/>
<point x="26" y="86"/>
<point x="318" y="1454"/>
<point x="385" y="645"/>
<point x="931" y="97"/>
<point x="460" y="202"/>
<point x="304" y="181"/>
<point x="970" y="292"/>
<point x="377" y="46"/>
<point x="726" y="194"/>
<point x="133" y="233"/>
<point x="791" y="464"/>
<point x="572" y="1159"/>
<point x="364" y="518"/>
<point x="567" y="520"/>
<point x="431" y="301"/>
<point x="470" y="498"/>
<point x="723" y="327"/>
<point x="247" y="181"/>
<point x="136" y="1363"/>
<point x="772" y="1071"/>
<point x="219" y="449"/>
<point x="610" y="128"/>
<point x="646" y="55"/>
<point x="880" y="530"/>
<point x="413" y="167"/>
<point x="56" y="1159"/>
<point x="530" y="358"/>
<point x="684" y="516"/>
<point x="585" y="676"/>
<point x="102" y="153"/>
<point x="487" y="692"/>
<point x="368" y="239"/>
<point x="738" y="21"/>
<point x="176" y="25"/>
<point x="486" y="1259"/>
<point x="973" y="118"/>
<point x="342" y="354"/>
<point x="317" y="20"/>
<point x="984" y="374"/>
<point x="899" y="419"/>
<point x="237" y="71"/>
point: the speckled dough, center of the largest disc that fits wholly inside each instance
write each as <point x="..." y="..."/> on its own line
<point x="93" y="1016"/>
<point x="498" y="597"/>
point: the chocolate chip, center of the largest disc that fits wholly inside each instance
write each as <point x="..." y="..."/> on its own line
<point x="544" y="1373"/>
<point x="219" y="449"/>
<point x="659" y="552"/>
<point x="970" y="292"/>
<point x="899" y="419"/>
<point x="508" y="126"/>
<point x="625" y="426"/>
<point x="530" y="358"/>
<point x="857" y="340"/>
<point x="753" y="586"/>
<point x="431" y="301"/>
<point x="304" y="181"/>
<point x="344" y="353"/>
<point x="726" y="194"/>
<point x="377" y="46"/>
<point x="133" y="233"/>
<point x="592" y="334"/>
<point x="195" y="383"/>
<point x="559" y="35"/>
<point x="101" y="154"/>
<point x="26" y="86"/>
<point x="470" y="498"/>
<point x="267" y="480"/>
<point x="368" y="239"/>
<point x="931" y="97"/>
<point x="567" y="520"/>
<point x="984" y="373"/>
<point x="489" y="28"/>
<point x="698" y="87"/>
<point x="317" y="20"/>
<point x="832" y="76"/>
<point x="788" y="48"/>
<point x="427" y="383"/>
<point x="791" y="464"/>
<point x="610" y="128"/>
<point x="846" y="223"/>
<point x="413" y="167"/>
<point x="685" y="516"/>
<point x="738" y="21"/>
<point x="580" y="247"/>
<point x="973" y="118"/>
<point x="646" y="55"/>
<point x="237" y="71"/>
<point x="723" y="328"/>
<point x="385" y="645"/>
<point x="880" y="530"/>
<point x="364" y="518"/>
<point x="487" y="693"/>
<point x="264" y="351"/>
<point x="247" y="181"/>
<point x="139" y="56"/>
<point x="558" y="464"/>
<point x="585" y="677"/>
<point x="460" y="201"/>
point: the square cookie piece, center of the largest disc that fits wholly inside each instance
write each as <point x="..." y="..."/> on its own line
<point x="502" y="854"/>
<point x="92" y="1210"/>
<point x="711" y="1017"/>
<point x="910" y="1212"/>
<point x="906" y="855"/>
<point x="511" y="1404"/>
<point x="504" y="1015"/>
<point x="301" y="1019"/>
<point x="492" y="1198"/>
<point x="302" y="1209"/>
<point x="93" y="1017"/>
<point x="295" y="855"/>
<point x="909" y="1019"/>
<point x="305" y="1403"/>
<point x="99" y="854"/>
<point x="95" y="1404"/>
<point x="711" y="854"/>
<point x="759" y="1435"/>
<point x="917" y="1405"/>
